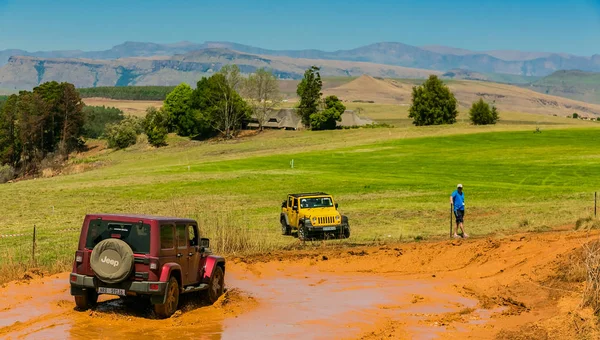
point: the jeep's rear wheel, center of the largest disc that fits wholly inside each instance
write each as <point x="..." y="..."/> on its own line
<point x="302" y="233"/>
<point x="216" y="285"/>
<point x="87" y="300"/>
<point x="165" y="310"/>
<point x="285" y="229"/>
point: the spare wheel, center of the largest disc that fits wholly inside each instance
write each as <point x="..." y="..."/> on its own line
<point x="112" y="260"/>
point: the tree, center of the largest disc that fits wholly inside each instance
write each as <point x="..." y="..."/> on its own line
<point x="218" y="104"/>
<point x="156" y="127"/>
<point x="10" y="146"/>
<point x="575" y="115"/>
<point x="124" y="133"/>
<point x="63" y="119"/>
<point x="309" y="91"/>
<point x="327" y="119"/>
<point x="482" y="114"/>
<point x="262" y="90"/>
<point x="177" y="106"/>
<point x="433" y="104"/>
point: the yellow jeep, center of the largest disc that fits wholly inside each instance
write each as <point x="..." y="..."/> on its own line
<point x="313" y="215"/>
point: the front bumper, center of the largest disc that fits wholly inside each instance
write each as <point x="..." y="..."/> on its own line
<point x="82" y="283"/>
<point x="336" y="229"/>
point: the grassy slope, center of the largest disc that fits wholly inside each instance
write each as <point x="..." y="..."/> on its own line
<point x="584" y="86"/>
<point x="392" y="182"/>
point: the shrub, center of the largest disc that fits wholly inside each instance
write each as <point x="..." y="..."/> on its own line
<point x="124" y="133"/>
<point x="156" y="127"/>
<point x="482" y="114"/>
<point x="327" y="119"/>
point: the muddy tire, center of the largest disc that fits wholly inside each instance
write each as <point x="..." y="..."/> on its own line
<point x="165" y="310"/>
<point x="86" y="301"/>
<point x="302" y="233"/>
<point x="216" y="287"/>
<point x="285" y="229"/>
<point x="112" y="260"/>
<point x="346" y="232"/>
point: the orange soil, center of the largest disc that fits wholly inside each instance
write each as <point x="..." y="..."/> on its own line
<point x="504" y="288"/>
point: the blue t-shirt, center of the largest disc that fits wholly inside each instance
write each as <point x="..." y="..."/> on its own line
<point x="459" y="200"/>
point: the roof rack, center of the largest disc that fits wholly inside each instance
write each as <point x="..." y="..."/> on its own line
<point x="309" y="194"/>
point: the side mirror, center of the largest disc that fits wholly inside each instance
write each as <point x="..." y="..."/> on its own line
<point x="204" y="243"/>
<point x="284" y="204"/>
<point x="295" y="207"/>
<point x="336" y="205"/>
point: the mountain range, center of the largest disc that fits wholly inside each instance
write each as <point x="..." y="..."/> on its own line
<point x="438" y="58"/>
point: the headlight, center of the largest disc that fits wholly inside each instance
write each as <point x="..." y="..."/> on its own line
<point x="337" y="218"/>
<point x="314" y="220"/>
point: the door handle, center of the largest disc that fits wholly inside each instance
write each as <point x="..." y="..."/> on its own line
<point x="190" y="254"/>
<point x="179" y="255"/>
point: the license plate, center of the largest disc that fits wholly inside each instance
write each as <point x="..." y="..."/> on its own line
<point x="111" y="291"/>
<point x="328" y="228"/>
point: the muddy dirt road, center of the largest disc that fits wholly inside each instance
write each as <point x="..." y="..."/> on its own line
<point x="482" y="288"/>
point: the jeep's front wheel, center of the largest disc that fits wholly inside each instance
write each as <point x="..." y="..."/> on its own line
<point x="285" y="229"/>
<point x="87" y="300"/>
<point x="216" y="285"/>
<point x="346" y="232"/>
<point x="302" y="233"/>
<point x="165" y="310"/>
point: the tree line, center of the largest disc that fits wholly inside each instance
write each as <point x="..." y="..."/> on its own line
<point x="127" y="92"/>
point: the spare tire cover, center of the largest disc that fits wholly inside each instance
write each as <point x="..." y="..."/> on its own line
<point x="112" y="260"/>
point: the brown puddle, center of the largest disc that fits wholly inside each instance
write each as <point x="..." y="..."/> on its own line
<point x="289" y="305"/>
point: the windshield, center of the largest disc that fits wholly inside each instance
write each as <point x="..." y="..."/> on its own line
<point x="316" y="202"/>
<point x="136" y="235"/>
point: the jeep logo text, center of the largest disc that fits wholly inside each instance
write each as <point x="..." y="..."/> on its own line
<point x="112" y="262"/>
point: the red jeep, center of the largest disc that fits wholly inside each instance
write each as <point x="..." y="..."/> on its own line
<point x="144" y="256"/>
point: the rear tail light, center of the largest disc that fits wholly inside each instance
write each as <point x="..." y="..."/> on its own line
<point x="154" y="287"/>
<point x="153" y="264"/>
<point x="78" y="258"/>
<point x="73" y="278"/>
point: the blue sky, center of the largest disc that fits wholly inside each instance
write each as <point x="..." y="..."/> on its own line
<point x="547" y="26"/>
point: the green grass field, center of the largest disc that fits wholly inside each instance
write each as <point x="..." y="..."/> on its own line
<point x="393" y="183"/>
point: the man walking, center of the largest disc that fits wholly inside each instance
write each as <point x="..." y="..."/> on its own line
<point x="457" y="199"/>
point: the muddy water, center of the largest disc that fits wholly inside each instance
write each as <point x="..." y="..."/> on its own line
<point x="291" y="305"/>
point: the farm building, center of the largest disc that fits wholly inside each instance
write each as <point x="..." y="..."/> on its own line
<point x="288" y="119"/>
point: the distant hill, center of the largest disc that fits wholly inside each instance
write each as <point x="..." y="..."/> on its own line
<point x="578" y="85"/>
<point x="506" y="97"/>
<point x="28" y="72"/>
<point x="439" y="58"/>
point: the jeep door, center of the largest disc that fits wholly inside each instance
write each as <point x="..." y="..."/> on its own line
<point x="168" y="251"/>
<point x="182" y="252"/>
<point x="193" y="253"/>
<point x="294" y="214"/>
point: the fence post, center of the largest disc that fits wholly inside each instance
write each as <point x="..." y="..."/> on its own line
<point x="33" y="247"/>
<point x="595" y="200"/>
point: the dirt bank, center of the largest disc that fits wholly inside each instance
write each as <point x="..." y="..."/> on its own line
<point x="484" y="288"/>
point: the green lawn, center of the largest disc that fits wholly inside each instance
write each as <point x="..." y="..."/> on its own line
<point x="393" y="184"/>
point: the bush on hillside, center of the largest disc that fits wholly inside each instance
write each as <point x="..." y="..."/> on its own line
<point x="433" y="104"/>
<point x="123" y="134"/>
<point x="156" y="127"/>
<point x="482" y="114"/>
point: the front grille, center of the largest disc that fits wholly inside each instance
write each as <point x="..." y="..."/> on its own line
<point x="326" y="220"/>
